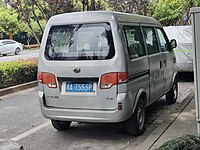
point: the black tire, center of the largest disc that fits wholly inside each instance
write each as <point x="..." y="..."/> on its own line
<point x="61" y="125"/>
<point x="172" y="95"/>
<point x="4" y="54"/>
<point x="136" y="124"/>
<point x="17" y="51"/>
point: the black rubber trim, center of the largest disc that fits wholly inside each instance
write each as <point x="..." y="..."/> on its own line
<point x="133" y="77"/>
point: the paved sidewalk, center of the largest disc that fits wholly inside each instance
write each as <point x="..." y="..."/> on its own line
<point x="181" y="120"/>
<point x="185" y="123"/>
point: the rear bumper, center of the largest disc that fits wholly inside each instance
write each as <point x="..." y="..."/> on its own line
<point x="85" y="115"/>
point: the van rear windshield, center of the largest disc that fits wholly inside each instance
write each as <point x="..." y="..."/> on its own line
<point x="80" y="42"/>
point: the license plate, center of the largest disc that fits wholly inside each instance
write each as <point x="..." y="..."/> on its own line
<point x="79" y="87"/>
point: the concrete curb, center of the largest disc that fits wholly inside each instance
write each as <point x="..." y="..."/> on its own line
<point x="17" y="88"/>
<point x="164" y="125"/>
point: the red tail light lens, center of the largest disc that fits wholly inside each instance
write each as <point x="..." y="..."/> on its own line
<point x="110" y="79"/>
<point x="47" y="78"/>
<point x="39" y="77"/>
<point x="122" y="77"/>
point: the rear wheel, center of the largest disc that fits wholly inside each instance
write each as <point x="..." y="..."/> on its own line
<point x="136" y="124"/>
<point x="4" y="54"/>
<point x="61" y="125"/>
<point x="172" y="95"/>
<point x="17" y="51"/>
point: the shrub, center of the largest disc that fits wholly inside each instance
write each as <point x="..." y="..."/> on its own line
<point x="17" y="72"/>
<point x="186" y="142"/>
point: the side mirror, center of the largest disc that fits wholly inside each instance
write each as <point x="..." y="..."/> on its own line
<point x="173" y="44"/>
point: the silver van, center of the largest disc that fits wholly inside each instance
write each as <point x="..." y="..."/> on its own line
<point x="104" y="67"/>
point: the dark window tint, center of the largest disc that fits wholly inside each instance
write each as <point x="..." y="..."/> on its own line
<point x="134" y="41"/>
<point x="150" y="39"/>
<point x="163" y="40"/>
<point x="80" y="42"/>
<point x="12" y="42"/>
<point x="4" y="42"/>
<point x="8" y="42"/>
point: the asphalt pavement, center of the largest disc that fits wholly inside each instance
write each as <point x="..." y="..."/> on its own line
<point x="26" y="54"/>
<point x="22" y="121"/>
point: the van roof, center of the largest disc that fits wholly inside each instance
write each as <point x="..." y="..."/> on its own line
<point x="94" y="16"/>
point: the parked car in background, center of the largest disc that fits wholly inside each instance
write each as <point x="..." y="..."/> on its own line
<point x="183" y="51"/>
<point x="10" y="46"/>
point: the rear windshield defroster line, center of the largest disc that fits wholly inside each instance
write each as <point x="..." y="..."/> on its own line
<point x="80" y="42"/>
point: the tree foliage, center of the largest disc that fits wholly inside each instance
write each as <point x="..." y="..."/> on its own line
<point x="35" y="13"/>
<point x="95" y="5"/>
<point x="186" y="142"/>
<point x="140" y="7"/>
<point x="54" y="7"/>
<point x="174" y="12"/>
<point x="30" y="14"/>
<point x="9" y="22"/>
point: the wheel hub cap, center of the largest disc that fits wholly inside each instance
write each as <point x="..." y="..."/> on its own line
<point x="140" y="118"/>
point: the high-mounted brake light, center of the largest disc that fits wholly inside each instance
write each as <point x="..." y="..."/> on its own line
<point x="47" y="78"/>
<point x="110" y="79"/>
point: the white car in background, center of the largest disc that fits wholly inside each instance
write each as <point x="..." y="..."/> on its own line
<point x="10" y="46"/>
<point x="183" y="51"/>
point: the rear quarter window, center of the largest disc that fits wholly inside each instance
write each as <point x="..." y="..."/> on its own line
<point x="80" y="42"/>
<point x="134" y="41"/>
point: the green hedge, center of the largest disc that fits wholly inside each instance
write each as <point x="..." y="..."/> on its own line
<point x="186" y="142"/>
<point x="17" y="72"/>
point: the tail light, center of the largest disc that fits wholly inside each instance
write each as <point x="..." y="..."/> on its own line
<point x="122" y="77"/>
<point x="47" y="78"/>
<point x="110" y="79"/>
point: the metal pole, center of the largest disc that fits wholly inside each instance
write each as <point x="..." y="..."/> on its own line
<point x="195" y="13"/>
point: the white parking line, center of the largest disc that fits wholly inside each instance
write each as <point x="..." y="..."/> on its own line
<point x="29" y="132"/>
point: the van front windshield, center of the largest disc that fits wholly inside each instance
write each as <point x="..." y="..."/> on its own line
<point x="80" y="42"/>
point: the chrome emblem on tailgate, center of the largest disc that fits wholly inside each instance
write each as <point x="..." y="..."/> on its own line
<point x="77" y="70"/>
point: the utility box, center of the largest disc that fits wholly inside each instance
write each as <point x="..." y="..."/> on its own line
<point x="195" y="13"/>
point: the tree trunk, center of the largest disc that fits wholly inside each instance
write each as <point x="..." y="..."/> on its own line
<point x="11" y="36"/>
<point x="98" y="5"/>
<point x="36" y="18"/>
<point x="83" y="3"/>
<point x="33" y="32"/>
<point x="28" y="40"/>
<point x="87" y="5"/>
<point x="39" y="6"/>
<point x="93" y="5"/>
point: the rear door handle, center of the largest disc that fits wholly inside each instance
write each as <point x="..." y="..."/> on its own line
<point x="174" y="59"/>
